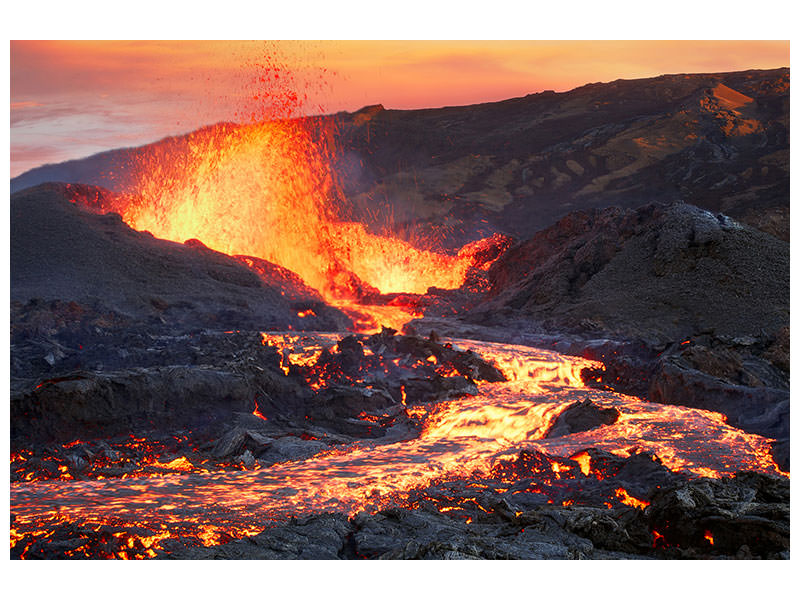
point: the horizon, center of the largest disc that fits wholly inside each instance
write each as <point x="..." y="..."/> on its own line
<point x="66" y="107"/>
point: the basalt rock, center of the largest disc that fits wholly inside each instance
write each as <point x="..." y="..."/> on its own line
<point x="131" y="382"/>
<point x="108" y="404"/>
<point x="465" y="363"/>
<point x="321" y="537"/>
<point x="781" y="452"/>
<point x="721" y="516"/>
<point x="763" y="410"/>
<point x="427" y="534"/>
<point x="60" y="250"/>
<point x="658" y="273"/>
<point x="582" y="416"/>
<point x="289" y="448"/>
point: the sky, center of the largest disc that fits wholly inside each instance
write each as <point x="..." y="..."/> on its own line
<point x="70" y="99"/>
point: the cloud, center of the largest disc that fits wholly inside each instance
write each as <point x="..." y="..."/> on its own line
<point x="24" y="105"/>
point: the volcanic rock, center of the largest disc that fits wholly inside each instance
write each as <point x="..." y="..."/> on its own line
<point x="660" y="273"/>
<point x="319" y="537"/>
<point x="757" y="409"/>
<point x="60" y="251"/>
<point x="290" y="448"/>
<point x="781" y="452"/>
<point x="427" y="534"/>
<point x="109" y="404"/>
<point x="467" y="363"/>
<point x="621" y="530"/>
<point x="338" y="408"/>
<point x="719" y="515"/>
<point x="229" y="444"/>
<point x="583" y="415"/>
<point x="165" y="383"/>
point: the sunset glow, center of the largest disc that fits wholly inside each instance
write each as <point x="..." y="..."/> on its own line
<point x="70" y="99"/>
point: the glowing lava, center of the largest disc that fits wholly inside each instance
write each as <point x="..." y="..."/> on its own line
<point x="465" y="437"/>
<point x="267" y="190"/>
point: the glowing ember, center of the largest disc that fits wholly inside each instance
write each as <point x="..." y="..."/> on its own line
<point x="584" y="460"/>
<point x="624" y="497"/>
<point x="179" y="464"/>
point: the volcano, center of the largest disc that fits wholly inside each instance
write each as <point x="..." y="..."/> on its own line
<point x="550" y="327"/>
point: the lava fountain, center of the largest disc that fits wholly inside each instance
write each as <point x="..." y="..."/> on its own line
<point x="267" y="190"/>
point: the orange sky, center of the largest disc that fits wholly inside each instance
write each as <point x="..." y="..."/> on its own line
<point x="71" y="99"/>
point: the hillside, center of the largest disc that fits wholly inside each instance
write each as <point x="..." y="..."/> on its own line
<point x="62" y="252"/>
<point x="719" y="141"/>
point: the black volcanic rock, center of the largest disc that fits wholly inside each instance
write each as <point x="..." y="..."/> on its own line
<point x="120" y="381"/>
<point x="719" y="515"/>
<point x="582" y="416"/>
<point x="61" y="251"/>
<point x="659" y="273"/>
<point x="759" y="409"/>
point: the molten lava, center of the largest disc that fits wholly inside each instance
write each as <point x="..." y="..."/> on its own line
<point x="496" y="434"/>
<point x="267" y="190"/>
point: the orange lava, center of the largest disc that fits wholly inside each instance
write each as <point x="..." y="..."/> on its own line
<point x="624" y="497"/>
<point x="266" y="190"/>
<point x="463" y="437"/>
<point x="584" y="460"/>
<point x="179" y="464"/>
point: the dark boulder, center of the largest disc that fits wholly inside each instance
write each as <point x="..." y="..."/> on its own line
<point x="583" y="415"/>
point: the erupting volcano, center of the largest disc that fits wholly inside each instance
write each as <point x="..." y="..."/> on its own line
<point x="220" y="354"/>
<point x="268" y="190"/>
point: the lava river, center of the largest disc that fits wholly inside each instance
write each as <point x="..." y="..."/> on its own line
<point x="460" y="438"/>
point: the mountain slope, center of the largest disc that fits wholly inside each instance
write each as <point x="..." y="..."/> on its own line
<point x="61" y="251"/>
<point x="719" y="141"/>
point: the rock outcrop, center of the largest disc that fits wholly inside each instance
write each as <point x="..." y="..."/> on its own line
<point x="659" y="273"/>
<point x="61" y="251"/>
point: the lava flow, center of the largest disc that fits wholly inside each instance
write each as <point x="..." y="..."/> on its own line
<point x="476" y="438"/>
